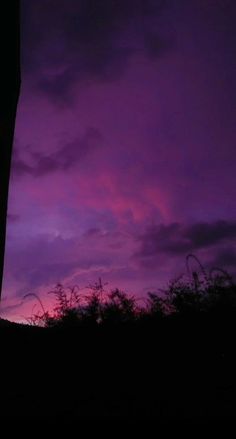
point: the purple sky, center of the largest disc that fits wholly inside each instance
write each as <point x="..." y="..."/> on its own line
<point x="124" y="154"/>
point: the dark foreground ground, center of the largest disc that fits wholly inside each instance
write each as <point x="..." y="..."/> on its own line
<point x="180" y="369"/>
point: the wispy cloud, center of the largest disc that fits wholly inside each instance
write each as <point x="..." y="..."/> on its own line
<point x="65" y="158"/>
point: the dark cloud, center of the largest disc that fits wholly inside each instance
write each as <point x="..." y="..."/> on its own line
<point x="64" y="159"/>
<point x="162" y="239"/>
<point x="206" y="234"/>
<point x="226" y="257"/>
<point x="19" y="167"/>
<point x="176" y="239"/>
<point x="64" y="42"/>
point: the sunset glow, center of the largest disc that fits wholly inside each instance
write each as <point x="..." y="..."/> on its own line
<point x="124" y="152"/>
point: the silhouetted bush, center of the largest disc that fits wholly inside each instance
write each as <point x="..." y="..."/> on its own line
<point x="201" y="292"/>
<point x="207" y="294"/>
<point x="119" y="308"/>
<point x="156" y="305"/>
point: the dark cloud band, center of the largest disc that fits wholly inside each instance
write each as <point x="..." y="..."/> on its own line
<point x="176" y="239"/>
<point x="68" y="42"/>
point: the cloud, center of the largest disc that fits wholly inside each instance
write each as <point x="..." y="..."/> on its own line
<point x="179" y="239"/>
<point x="45" y="259"/>
<point x="206" y="234"/>
<point x="19" y="166"/>
<point x="66" y="42"/>
<point x="226" y="257"/>
<point x="67" y="157"/>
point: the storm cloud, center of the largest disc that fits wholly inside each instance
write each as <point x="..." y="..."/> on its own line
<point x="179" y="239"/>
<point x="68" y="42"/>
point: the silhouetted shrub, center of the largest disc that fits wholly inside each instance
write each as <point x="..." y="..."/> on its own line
<point x="205" y="292"/>
<point x="119" y="308"/>
<point x="212" y="292"/>
<point x="184" y="297"/>
<point x="156" y="305"/>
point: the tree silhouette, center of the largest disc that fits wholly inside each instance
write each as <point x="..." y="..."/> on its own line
<point x="9" y="94"/>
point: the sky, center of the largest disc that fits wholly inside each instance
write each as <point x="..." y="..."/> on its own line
<point x="124" y="149"/>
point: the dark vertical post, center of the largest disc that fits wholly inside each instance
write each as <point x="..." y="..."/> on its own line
<point x="9" y="93"/>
